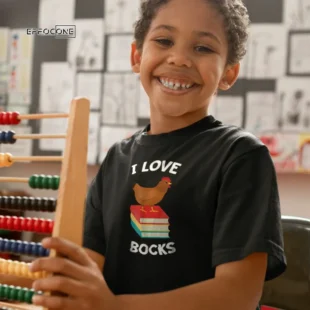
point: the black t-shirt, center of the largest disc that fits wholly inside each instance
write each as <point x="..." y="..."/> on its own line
<point x="166" y="209"/>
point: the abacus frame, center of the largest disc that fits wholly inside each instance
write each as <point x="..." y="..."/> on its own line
<point x="73" y="183"/>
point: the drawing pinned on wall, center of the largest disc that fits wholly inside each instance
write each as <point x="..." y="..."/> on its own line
<point x="85" y="52"/>
<point x="299" y="51"/>
<point x="4" y="44"/>
<point x="110" y="135"/>
<point x="294" y="104"/>
<point x="93" y="138"/>
<point x="56" y="87"/>
<point x="89" y="86"/>
<point x="228" y="110"/>
<point x="119" y="47"/>
<point x="121" y="15"/>
<point x="297" y="14"/>
<point x="120" y="99"/>
<point x="53" y="126"/>
<point x="21" y="46"/>
<point x="284" y="150"/>
<point x="56" y="12"/>
<point x="267" y="51"/>
<point x="304" y="153"/>
<point x="260" y="112"/>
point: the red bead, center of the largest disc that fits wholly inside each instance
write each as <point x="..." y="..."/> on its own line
<point x="44" y="226"/>
<point x="6" y="221"/>
<point x="6" y="118"/>
<point x="9" y="223"/>
<point x="16" y="223"/>
<point x="1" y="221"/>
<point x="14" y="118"/>
<point x="50" y="226"/>
<point x="23" y="223"/>
<point x="29" y="224"/>
<point x="37" y="225"/>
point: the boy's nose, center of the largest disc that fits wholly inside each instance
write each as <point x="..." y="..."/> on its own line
<point x="179" y="58"/>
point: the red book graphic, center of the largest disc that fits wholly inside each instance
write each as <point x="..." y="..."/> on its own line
<point x="149" y="215"/>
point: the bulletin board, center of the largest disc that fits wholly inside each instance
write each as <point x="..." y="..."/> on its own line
<point x="271" y="99"/>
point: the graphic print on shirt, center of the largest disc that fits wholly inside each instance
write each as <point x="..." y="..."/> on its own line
<point x="147" y="218"/>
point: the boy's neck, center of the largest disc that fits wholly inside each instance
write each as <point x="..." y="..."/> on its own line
<point x="164" y="124"/>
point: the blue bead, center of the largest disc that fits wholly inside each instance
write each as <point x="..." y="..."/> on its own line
<point x="36" y="250"/>
<point x="14" y="246"/>
<point x="10" y="137"/>
<point x="11" y="244"/>
<point x="1" y="245"/>
<point x="27" y="249"/>
<point x="47" y="252"/>
<point x="32" y="248"/>
<point x="6" y="245"/>
<point x="41" y="251"/>
<point x="2" y="137"/>
<point x="21" y="248"/>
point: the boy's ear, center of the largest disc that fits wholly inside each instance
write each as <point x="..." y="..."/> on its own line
<point x="135" y="58"/>
<point x="230" y="77"/>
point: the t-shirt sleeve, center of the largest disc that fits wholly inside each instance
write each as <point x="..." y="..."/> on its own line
<point x="93" y="234"/>
<point x="248" y="217"/>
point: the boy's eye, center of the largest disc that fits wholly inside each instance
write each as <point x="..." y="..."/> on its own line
<point x="203" y="49"/>
<point x="165" y="42"/>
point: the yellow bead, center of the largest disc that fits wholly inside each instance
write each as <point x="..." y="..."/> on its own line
<point x="5" y="266"/>
<point x="24" y="269"/>
<point x="6" y="160"/>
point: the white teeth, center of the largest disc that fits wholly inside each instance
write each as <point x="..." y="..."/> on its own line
<point x="175" y="86"/>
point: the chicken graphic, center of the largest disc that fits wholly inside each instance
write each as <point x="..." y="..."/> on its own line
<point x="147" y="196"/>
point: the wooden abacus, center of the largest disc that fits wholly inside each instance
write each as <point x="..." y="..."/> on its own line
<point x="72" y="186"/>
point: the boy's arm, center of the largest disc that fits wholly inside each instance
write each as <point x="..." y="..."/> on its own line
<point x="236" y="286"/>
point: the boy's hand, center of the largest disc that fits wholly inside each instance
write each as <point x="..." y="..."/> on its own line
<point x="78" y="277"/>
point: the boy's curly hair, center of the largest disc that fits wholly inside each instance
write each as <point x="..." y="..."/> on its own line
<point x="236" y="22"/>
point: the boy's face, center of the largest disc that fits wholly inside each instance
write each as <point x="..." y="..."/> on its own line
<point x="183" y="61"/>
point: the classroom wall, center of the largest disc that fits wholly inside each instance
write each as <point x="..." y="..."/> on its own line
<point x="294" y="188"/>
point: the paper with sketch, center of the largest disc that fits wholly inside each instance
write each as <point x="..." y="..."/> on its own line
<point x="119" y="53"/>
<point x="56" y="87"/>
<point x="121" y="15"/>
<point x="20" y="67"/>
<point x="89" y="85"/>
<point x="228" y="110"/>
<point x="56" y="12"/>
<point x="283" y="149"/>
<point x="297" y="14"/>
<point x="93" y="138"/>
<point x="4" y="44"/>
<point x="304" y="149"/>
<point x="260" y="112"/>
<point x="267" y="51"/>
<point x="85" y="52"/>
<point x="120" y="99"/>
<point x="294" y="104"/>
<point x="53" y="126"/>
<point x="22" y="147"/>
<point x="111" y="135"/>
<point x="299" y="62"/>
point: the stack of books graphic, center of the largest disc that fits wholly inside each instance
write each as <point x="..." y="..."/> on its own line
<point x="149" y="222"/>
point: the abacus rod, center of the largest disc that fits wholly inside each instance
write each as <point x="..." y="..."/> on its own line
<point x="37" y="158"/>
<point x="14" y="179"/>
<point x="40" y="116"/>
<point x="39" y="136"/>
<point x="15" y="306"/>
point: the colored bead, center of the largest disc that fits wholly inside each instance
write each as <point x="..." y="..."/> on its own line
<point x="7" y="137"/>
<point x="6" y="160"/>
<point x="9" y="118"/>
<point x="44" y="182"/>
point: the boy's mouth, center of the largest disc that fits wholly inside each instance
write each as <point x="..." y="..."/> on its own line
<point x="175" y="84"/>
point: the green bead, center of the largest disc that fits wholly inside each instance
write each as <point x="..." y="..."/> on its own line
<point x="2" y="290"/>
<point x="13" y="293"/>
<point x="56" y="181"/>
<point x="32" y="181"/>
<point x="38" y="181"/>
<point x="45" y="182"/>
<point x="8" y="291"/>
<point x="21" y="294"/>
<point x="28" y="296"/>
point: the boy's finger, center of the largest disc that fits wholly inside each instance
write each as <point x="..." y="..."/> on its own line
<point x="62" y="266"/>
<point x="55" y="302"/>
<point x="63" y="285"/>
<point x="68" y="249"/>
